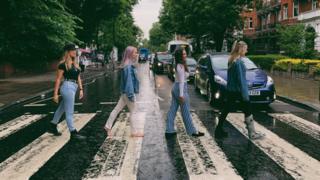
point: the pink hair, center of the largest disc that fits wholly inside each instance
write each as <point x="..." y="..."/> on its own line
<point x="128" y="56"/>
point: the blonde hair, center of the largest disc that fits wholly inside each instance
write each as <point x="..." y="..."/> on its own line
<point x="237" y="50"/>
<point x="68" y="61"/>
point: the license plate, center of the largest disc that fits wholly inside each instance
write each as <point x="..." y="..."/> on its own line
<point x="254" y="93"/>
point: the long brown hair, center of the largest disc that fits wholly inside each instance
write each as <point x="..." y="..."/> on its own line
<point x="178" y="53"/>
<point x="237" y="49"/>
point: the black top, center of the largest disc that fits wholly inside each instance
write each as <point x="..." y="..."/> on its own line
<point x="72" y="73"/>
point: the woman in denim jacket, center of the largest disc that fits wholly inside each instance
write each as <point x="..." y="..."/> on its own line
<point x="129" y="86"/>
<point x="237" y="90"/>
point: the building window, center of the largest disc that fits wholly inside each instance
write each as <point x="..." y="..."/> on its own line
<point x="285" y="11"/>
<point x="245" y="23"/>
<point x="295" y="8"/>
<point x="250" y="23"/>
<point x="314" y="4"/>
<point x="279" y="15"/>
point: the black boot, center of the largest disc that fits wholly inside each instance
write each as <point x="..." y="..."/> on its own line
<point x="52" y="128"/>
<point x="170" y="135"/>
<point x="219" y="132"/>
<point x="75" y="135"/>
<point x="198" y="134"/>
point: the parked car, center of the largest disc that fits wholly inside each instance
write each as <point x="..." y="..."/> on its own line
<point x="160" y="62"/>
<point x="211" y="80"/>
<point x="191" y="63"/>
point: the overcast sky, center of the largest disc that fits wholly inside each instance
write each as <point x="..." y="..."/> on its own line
<point x="146" y="13"/>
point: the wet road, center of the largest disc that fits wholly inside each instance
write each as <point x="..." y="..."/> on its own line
<point x="288" y="152"/>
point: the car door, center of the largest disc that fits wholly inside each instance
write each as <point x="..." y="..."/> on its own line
<point x="203" y="72"/>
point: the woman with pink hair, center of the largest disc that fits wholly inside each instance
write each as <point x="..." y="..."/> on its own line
<point x="129" y="86"/>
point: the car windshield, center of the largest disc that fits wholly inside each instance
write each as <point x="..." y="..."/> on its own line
<point x="221" y="63"/>
<point x="191" y="61"/>
<point x="249" y="64"/>
<point x="164" y="57"/>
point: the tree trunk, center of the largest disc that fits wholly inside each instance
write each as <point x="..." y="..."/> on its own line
<point x="198" y="45"/>
<point x="218" y="40"/>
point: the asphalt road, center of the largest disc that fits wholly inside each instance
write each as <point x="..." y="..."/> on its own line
<point x="290" y="150"/>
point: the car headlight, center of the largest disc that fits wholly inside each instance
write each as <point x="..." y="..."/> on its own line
<point x="219" y="80"/>
<point x="159" y="64"/>
<point x="270" y="81"/>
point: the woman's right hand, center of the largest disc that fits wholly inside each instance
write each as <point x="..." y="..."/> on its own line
<point x="56" y="98"/>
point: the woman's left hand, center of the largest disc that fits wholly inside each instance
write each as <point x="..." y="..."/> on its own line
<point x="81" y="94"/>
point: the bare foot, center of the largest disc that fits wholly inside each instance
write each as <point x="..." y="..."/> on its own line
<point x="109" y="132"/>
<point x="137" y="135"/>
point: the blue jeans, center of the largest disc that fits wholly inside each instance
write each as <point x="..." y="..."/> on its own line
<point x="68" y="91"/>
<point x="185" y="110"/>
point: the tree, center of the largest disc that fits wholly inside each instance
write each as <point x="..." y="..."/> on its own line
<point x="159" y="37"/>
<point x="126" y="32"/>
<point x="198" y="18"/>
<point x="297" y="41"/>
<point x="34" y="32"/>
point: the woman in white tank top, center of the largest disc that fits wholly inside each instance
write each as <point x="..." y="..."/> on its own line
<point x="180" y="97"/>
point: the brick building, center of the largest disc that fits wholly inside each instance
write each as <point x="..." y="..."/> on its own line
<point x="261" y="20"/>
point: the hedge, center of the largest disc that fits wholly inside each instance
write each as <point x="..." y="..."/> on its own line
<point x="266" y="61"/>
<point x="300" y="65"/>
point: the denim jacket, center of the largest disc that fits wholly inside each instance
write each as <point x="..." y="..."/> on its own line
<point x="237" y="81"/>
<point x="129" y="83"/>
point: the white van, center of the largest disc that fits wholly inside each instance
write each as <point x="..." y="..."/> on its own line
<point x="173" y="45"/>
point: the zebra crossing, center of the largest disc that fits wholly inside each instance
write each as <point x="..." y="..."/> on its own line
<point x="24" y="163"/>
<point x="118" y="157"/>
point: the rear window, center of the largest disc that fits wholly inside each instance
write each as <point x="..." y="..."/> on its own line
<point x="164" y="57"/>
<point x="173" y="47"/>
<point x="191" y="61"/>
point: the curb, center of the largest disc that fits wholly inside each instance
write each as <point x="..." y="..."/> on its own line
<point x="29" y="98"/>
<point x="304" y="105"/>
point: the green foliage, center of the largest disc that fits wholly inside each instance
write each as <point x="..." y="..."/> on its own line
<point x="126" y="33"/>
<point x="297" y="41"/>
<point x="198" y="18"/>
<point x="159" y="37"/>
<point x="265" y="61"/>
<point x="33" y="32"/>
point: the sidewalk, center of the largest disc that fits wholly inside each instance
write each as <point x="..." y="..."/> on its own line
<point x="301" y="90"/>
<point x="15" y="88"/>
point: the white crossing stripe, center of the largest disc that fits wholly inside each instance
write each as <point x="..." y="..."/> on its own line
<point x="224" y="168"/>
<point x="129" y="168"/>
<point x="34" y="105"/>
<point x="17" y="124"/>
<point x="300" y="124"/>
<point x="202" y="156"/>
<point x="27" y="161"/>
<point x="294" y="161"/>
<point x="100" y="166"/>
<point x="121" y="153"/>
<point x="108" y="103"/>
